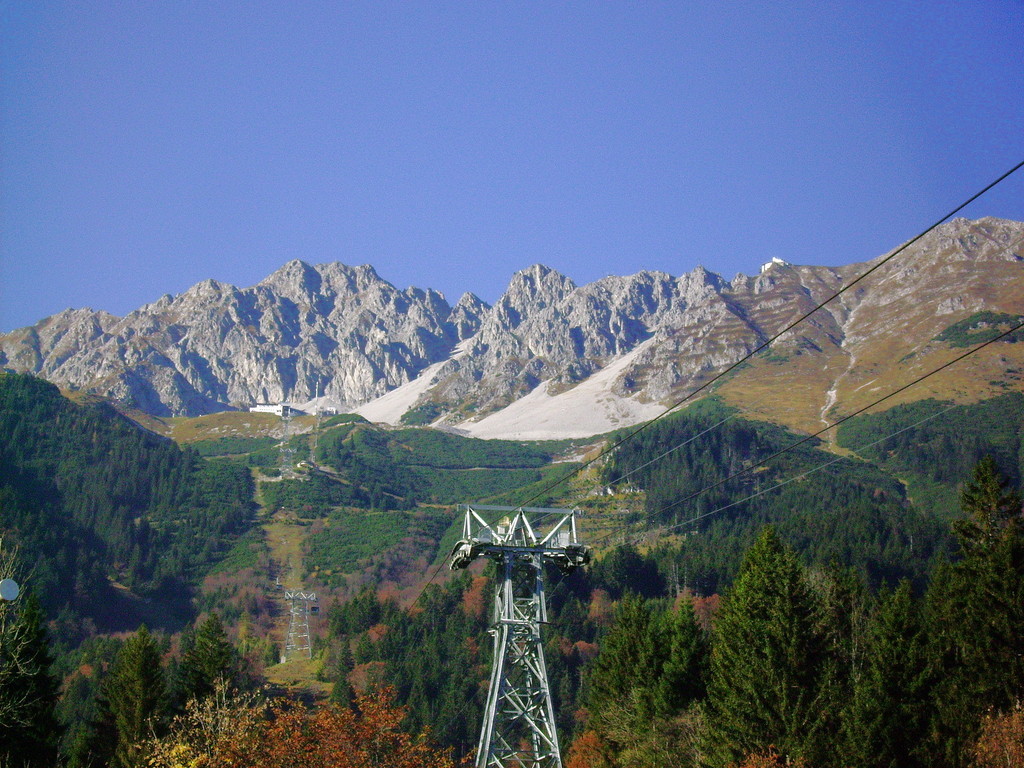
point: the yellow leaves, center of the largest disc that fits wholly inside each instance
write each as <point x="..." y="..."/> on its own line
<point x="222" y="732"/>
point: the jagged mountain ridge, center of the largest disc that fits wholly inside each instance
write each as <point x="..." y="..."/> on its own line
<point x="613" y="350"/>
<point x="339" y="330"/>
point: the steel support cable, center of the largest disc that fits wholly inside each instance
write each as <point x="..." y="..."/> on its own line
<point x="429" y="581"/>
<point x="763" y="491"/>
<point x="785" y="482"/>
<point x="735" y="414"/>
<point x="673" y="449"/>
<point x="764" y="345"/>
<point x="808" y="438"/>
<point x="800" y="442"/>
<point x="721" y="422"/>
<point x="670" y="451"/>
<point x="800" y="476"/>
<point x="781" y="452"/>
<point x="433" y="576"/>
<point x="444" y="560"/>
<point x="454" y="719"/>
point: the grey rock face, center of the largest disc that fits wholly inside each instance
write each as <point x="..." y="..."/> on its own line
<point x="347" y="335"/>
<point x="337" y="331"/>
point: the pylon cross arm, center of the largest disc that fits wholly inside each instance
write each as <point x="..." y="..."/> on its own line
<point x="519" y="531"/>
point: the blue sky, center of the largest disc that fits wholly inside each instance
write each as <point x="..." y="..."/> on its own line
<point x="148" y="146"/>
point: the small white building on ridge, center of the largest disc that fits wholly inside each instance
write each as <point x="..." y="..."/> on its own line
<point x="775" y="260"/>
<point x="280" y="408"/>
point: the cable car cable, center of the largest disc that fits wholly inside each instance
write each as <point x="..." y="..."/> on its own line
<point x="807" y="438"/>
<point x="770" y="341"/>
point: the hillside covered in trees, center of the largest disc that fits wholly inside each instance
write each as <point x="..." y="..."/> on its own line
<point x="791" y="665"/>
<point x="713" y="560"/>
<point x="93" y="501"/>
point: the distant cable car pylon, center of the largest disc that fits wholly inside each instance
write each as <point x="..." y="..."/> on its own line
<point x="519" y="720"/>
<point x="298" y="626"/>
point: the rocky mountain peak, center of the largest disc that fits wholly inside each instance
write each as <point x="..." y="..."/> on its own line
<point x="344" y="334"/>
<point x="207" y="290"/>
<point x="539" y="283"/>
<point x="987" y="239"/>
<point x="467" y="315"/>
<point x="295" y="280"/>
<point x="470" y="302"/>
<point x="530" y="291"/>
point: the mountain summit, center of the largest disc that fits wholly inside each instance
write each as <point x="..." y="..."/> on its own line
<point x="550" y="358"/>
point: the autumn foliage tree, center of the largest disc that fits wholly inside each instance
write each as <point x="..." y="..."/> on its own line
<point x="226" y="732"/>
<point x="1000" y="742"/>
<point x="769" y="758"/>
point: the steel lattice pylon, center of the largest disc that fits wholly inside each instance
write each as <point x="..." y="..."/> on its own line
<point x="519" y="720"/>
<point x="298" y="626"/>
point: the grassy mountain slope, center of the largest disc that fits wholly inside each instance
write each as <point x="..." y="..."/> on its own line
<point x="706" y="497"/>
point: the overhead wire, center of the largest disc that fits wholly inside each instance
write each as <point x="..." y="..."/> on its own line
<point x="802" y="441"/>
<point x="734" y="414"/>
<point x="764" y="345"/>
<point x="801" y="475"/>
<point x="632" y="434"/>
<point x="673" y="449"/>
<point x="731" y="416"/>
<point x="808" y="438"/>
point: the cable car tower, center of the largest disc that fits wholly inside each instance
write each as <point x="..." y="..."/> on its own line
<point x="519" y="721"/>
<point x="298" y="626"/>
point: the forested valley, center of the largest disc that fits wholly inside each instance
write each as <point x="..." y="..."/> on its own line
<point x="860" y="608"/>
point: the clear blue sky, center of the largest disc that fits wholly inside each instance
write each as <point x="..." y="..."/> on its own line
<point x="149" y="145"/>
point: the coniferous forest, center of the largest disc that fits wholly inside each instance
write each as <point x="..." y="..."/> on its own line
<point x="855" y="609"/>
<point x="88" y="494"/>
<point x="791" y="665"/>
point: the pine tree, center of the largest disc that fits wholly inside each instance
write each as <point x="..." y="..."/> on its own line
<point x="975" y="615"/>
<point x="766" y="684"/>
<point x="683" y="673"/>
<point x="628" y="660"/>
<point x="342" y="692"/>
<point x="209" y="658"/>
<point x="28" y="693"/>
<point x="93" y="746"/>
<point x="887" y="720"/>
<point x="650" y="667"/>
<point x="993" y="511"/>
<point x="844" y="619"/>
<point x="135" y="696"/>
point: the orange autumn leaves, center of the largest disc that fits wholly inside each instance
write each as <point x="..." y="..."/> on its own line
<point x="221" y="732"/>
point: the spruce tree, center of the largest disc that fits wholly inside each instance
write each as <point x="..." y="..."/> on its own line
<point x="682" y="677"/>
<point x="209" y="658"/>
<point x="342" y="692"/>
<point x="767" y="686"/>
<point x="975" y="615"/>
<point x="628" y="660"/>
<point x="992" y="511"/>
<point x="650" y="667"/>
<point x="886" y="722"/>
<point x="135" y="697"/>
